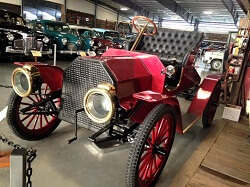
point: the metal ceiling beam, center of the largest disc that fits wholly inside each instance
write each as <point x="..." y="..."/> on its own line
<point x="133" y="6"/>
<point x="242" y="6"/>
<point x="176" y="8"/>
<point x="232" y="10"/>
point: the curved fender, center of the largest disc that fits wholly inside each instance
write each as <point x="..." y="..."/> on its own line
<point x="203" y="94"/>
<point x="153" y="99"/>
<point x="51" y="75"/>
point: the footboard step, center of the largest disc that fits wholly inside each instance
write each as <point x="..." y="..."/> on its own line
<point x="188" y="120"/>
<point x="110" y="145"/>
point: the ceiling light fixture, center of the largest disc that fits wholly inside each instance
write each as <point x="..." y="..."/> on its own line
<point x="124" y="8"/>
<point x="207" y="12"/>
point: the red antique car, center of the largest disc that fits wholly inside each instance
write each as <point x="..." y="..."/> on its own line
<point x="101" y="45"/>
<point x="124" y="96"/>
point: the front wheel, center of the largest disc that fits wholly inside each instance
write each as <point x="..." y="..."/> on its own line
<point x="39" y="121"/>
<point x="151" y="147"/>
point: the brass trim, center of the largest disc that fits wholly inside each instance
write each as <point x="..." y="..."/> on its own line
<point x="30" y="71"/>
<point x="108" y="91"/>
<point x="182" y="70"/>
<point x="191" y="124"/>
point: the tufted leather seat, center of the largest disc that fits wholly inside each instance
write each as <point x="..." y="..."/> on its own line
<point x="168" y="44"/>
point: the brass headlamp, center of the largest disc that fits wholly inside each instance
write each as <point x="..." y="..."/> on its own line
<point x="99" y="103"/>
<point x="23" y="79"/>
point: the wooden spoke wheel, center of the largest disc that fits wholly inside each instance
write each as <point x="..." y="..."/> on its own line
<point x="151" y="148"/>
<point x="38" y="121"/>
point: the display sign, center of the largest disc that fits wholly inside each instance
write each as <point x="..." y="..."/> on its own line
<point x="36" y="53"/>
<point x="82" y="53"/>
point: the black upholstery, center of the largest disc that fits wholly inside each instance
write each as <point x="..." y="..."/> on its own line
<point x="168" y="44"/>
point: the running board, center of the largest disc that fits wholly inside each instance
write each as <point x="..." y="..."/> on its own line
<point x="110" y="144"/>
<point x="188" y="120"/>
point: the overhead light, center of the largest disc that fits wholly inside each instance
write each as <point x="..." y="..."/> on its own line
<point x="124" y="8"/>
<point x="207" y="12"/>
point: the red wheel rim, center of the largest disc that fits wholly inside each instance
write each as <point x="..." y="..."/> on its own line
<point x="35" y="124"/>
<point x="156" y="151"/>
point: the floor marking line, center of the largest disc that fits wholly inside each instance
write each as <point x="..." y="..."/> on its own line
<point x="3" y="113"/>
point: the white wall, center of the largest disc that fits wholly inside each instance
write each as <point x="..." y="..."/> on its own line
<point x="57" y="1"/>
<point x="15" y="2"/>
<point x="104" y="14"/>
<point x="89" y="8"/>
<point x="81" y="6"/>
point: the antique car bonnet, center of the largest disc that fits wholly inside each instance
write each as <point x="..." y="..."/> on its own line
<point x="86" y="73"/>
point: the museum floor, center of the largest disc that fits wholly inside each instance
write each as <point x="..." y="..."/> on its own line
<point x="79" y="164"/>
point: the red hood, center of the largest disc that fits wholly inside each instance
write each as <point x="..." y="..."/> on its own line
<point x="127" y="65"/>
<point x="130" y="73"/>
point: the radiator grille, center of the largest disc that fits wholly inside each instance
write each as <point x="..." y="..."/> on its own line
<point x="82" y="75"/>
<point x="28" y="43"/>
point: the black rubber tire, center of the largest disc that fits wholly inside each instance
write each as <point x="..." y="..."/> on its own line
<point x="13" y="123"/>
<point x="140" y="139"/>
<point x="208" y="116"/>
<point x="213" y="64"/>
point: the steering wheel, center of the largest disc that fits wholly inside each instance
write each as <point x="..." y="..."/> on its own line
<point x="138" y="28"/>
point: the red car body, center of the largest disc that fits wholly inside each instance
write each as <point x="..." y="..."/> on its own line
<point x="145" y="82"/>
<point x="132" y="97"/>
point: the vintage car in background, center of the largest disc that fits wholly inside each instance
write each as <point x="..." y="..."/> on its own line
<point x="85" y="33"/>
<point x="111" y="35"/>
<point x="214" y="58"/>
<point x="17" y="39"/>
<point x="101" y="45"/>
<point x="123" y="96"/>
<point x="66" y="42"/>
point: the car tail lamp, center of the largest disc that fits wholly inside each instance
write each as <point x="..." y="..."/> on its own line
<point x="99" y="103"/>
<point x="23" y="79"/>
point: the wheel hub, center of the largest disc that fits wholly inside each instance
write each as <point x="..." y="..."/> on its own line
<point x="159" y="150"/>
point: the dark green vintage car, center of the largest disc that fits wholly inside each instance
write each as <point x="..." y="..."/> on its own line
<point x="67" y="43"/>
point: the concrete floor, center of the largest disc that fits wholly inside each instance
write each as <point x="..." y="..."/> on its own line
<point x="79" y="164"/>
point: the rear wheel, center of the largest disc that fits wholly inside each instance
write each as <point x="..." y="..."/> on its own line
<point x="213" y="103"/>
<point x="216" y="64"/>
<point x="151" y="147"/>
<point x="39" y="121"/>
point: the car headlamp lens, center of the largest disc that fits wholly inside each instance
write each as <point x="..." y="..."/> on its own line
<point x="91" y="42"/>
<point x="64" y="41"/>
<point x="23" y="78"/>
<point x="46" y="39"/>
<point x="79" y="42"/>
<point x="120" y="46"/>
<point x="99" y="44"/>
<point x="10" y="37"/>
<point x="99" y="105"/>
<point x="124" y="43"/>
<point x="21" y="81"/>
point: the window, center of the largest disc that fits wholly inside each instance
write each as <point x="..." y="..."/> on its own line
<point x="11" y="18"/>
<point x="110" y="35"/>
<point x="74" y="32"/>
<point x="55" y="27"/>
<point x="85" y="32"/>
